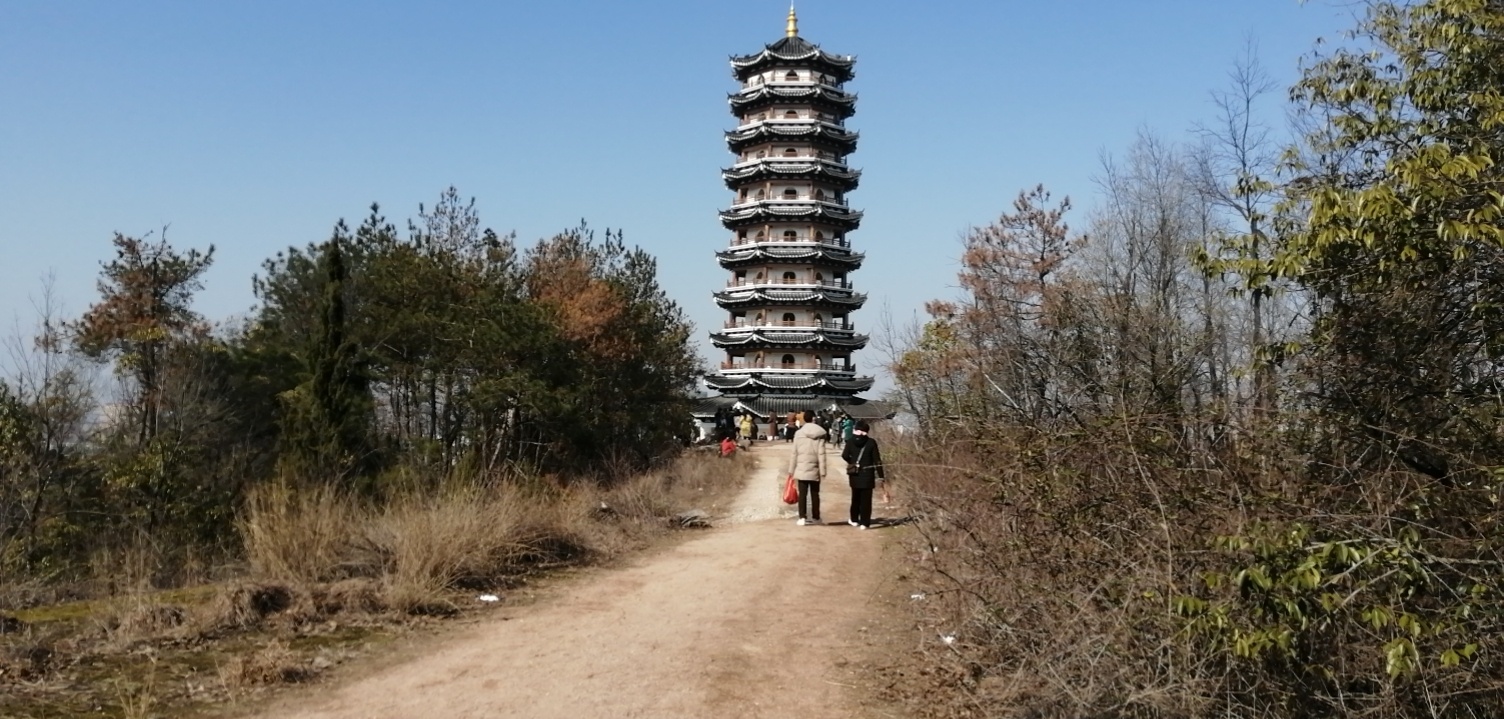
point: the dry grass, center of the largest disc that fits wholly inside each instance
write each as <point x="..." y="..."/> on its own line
<point x="417" y="549"/>
<point x="327" y="574"/>
<point x="271" y="663"/>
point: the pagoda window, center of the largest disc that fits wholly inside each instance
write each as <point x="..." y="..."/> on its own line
<point x="792" y="76"/>
<point x="790" y="236"/>
<point x="789" y="278"/>
<point x="759" y="275"/>
<point x="819" y="235"/>
<point x="762" y="116"/>
<point x="761" y="154"/>
<point x="819" y="276"/>
<point x="744" y="194"/>
<point x="790" y="193"/>
<point x="790" y="115"/>
<point x="818" y="319"/>
<point x="741" y="276"/>
<point x="790" y="152"/>
<point x="761" y="194"/>
<point x="788" y="361"/>
<point x="819" y="194"/>
<point x="761" y="234"/>
<point x="788" y="319"/>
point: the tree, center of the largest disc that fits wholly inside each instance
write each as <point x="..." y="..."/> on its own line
<point x="1234" y="167"/>
<point x="146" y="295"/>
<point x="329" y="414"/>
<point x="1396" y="227"/>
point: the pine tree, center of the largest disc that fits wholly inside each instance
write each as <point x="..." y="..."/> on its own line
<point x="329" y="415"/>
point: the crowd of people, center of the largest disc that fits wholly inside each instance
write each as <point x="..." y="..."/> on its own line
<point x="811" y="433"/>
<point x="743" y="427"/>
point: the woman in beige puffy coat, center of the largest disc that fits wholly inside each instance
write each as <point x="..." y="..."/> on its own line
<point x="807" y="464"/>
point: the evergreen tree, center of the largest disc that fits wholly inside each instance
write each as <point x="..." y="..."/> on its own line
<point x="329" y="415"/>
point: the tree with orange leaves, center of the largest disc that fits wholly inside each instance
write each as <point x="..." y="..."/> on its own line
<point x="146" y="292"/>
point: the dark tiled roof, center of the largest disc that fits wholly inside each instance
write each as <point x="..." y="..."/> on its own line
<point x="804" y="383"/>
<point x="794" y="49"/>
<point x="773" y="211"/>
<point x="754" y="298"/>
<point x="789" y="253"/>
<point x="841" y="102"/>
<point x="738" y="140"/>
<point x="833" y="173"/>
<point x="766" y="404"/>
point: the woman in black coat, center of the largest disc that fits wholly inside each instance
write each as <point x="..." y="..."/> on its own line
<point x="864" y="467"/>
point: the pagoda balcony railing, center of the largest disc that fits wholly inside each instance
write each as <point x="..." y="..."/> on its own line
<point x="796" y="324"/>
<point x="749" y="122"/>
<point x="829" y="157"/>
<point x="835" y="284"/>
<point x="791" y="366"/>
<point x="785" y="198"/>
<point x="757" y="82"/>
<point x="828" y="241"/>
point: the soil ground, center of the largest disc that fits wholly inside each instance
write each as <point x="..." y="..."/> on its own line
<point x="757" y="617"/>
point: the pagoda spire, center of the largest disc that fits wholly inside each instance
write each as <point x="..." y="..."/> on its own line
<point x="793" y="26"/>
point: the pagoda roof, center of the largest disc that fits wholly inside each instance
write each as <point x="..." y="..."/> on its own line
<point x="793" y="51"/>
<point x="790" y="383"/>
<point x="789" y="252"/>
<point x="789" y="337"/>
<point x="764" y="405"/>
<point x="774" y="210"/>
<point x="837" y="174"/>
<point x="762" y="296"/>
<point x="823" y="96"/>
<point x="840" y="137"/>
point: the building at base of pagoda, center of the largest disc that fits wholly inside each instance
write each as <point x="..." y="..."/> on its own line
<point x="787" y="334"/>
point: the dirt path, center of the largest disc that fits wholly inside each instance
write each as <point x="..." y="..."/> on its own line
<point x="755" y="618"/>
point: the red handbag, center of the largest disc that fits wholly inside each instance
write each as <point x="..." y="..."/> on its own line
<point x="790" y="490"/>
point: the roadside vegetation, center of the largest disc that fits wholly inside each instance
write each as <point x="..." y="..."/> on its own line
<point x="1235" y="450"/>
<point x="405" y="421"/>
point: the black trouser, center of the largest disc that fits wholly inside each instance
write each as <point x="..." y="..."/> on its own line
<point x="811" y="491"/>
<point x="861" y="506"/>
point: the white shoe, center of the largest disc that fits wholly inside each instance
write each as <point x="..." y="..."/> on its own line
<point x="800" y="523"/>
<point x="861" y="526"/>
<point x="852" y="523"/>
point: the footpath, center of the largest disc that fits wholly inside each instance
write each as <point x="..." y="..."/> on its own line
<point x="757" y="617"/>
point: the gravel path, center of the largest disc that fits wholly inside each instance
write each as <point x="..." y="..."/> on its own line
<point x="757" y="617"/>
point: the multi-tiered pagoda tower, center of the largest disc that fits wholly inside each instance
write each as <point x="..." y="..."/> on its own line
<point x="788" y="334"/>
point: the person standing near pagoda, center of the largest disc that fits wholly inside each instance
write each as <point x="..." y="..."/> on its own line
<point x="864" y="468"/>
<point x="807" y="465"/>
<point x="749" y="430"/>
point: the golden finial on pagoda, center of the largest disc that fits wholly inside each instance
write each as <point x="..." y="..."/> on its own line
<point x="793" y="28"/>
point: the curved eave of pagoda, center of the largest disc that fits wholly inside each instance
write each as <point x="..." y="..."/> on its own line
<point x="789" y="339"/>
<point x="832" y="174"/>
<point x="793" y="51"/>
<point x="753" y="383"/>
<point x="771" y="211"/>
<point x="842" y="104"/>
<point x="762" y="297"/>
<point x="771" y="252"/>
<point x="839" y="139"/>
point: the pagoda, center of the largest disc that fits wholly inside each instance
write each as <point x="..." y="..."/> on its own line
<point x="788" y="336"/>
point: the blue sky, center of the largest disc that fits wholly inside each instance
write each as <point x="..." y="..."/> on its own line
<point x="256" y="125"/>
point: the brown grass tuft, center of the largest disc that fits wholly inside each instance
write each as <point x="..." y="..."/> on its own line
<point x="272" y="663"/>
<point x="248" y="604"/>
<point x="349" y="596"/>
